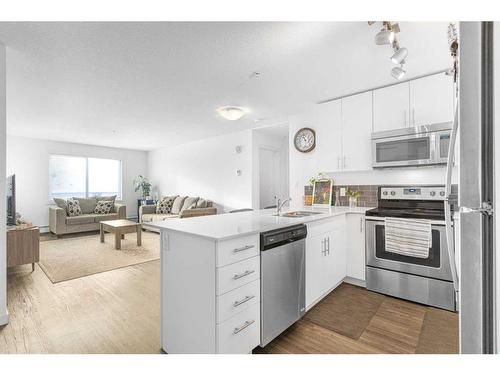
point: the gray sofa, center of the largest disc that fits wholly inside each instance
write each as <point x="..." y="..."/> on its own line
<point x="147" y="213"/>
<point x="60" y="223"/>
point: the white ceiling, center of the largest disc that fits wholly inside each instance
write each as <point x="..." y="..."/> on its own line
<point x="153" y="84"/>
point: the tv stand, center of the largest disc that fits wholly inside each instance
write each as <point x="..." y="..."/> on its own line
<point x="23" y="245"/>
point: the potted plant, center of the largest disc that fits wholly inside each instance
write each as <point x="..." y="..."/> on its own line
<point x="141" y="183"/>
<point x="353" y="197"/>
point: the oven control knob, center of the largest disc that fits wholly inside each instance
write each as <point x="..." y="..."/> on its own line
<point x="385" y="192"/>
<point x="432" y="193"/>
<point x="393" y="192"/>
<point x="441" y="193"/>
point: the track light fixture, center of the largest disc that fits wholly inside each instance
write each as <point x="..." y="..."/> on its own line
<point x="387" y="35"/>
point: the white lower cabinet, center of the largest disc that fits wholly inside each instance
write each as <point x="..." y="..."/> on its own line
<point x="355" y="247"/>
<point x="325" y="258"/>
<point x="241" y="333"/>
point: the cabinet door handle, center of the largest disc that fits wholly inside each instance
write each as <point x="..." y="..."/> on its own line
<point x="243" y="248"/>
<point x="406" y="124"/>
<point x="323" y="245"/>
<point x="247" y="324"/>
<point x="338" y="162"/>
<point x="328" y="244"/>
<point x="413" y="115"/>
<point x="246" y="299"/>
<point x="345" y="162"/>
<point x="361" y="224"/>
<point x="243" y="274"/>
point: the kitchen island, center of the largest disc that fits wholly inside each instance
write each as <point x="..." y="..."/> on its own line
<point x="210" y="272"/>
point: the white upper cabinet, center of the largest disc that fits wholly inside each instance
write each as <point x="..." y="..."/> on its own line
<point x="431" y="100"/>
<point x="391" y="107"/>
<point x="328" y="151"/>
<point x="357" y="128"/>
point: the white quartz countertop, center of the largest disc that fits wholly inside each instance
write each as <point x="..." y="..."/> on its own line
<point x="225" y="226"/>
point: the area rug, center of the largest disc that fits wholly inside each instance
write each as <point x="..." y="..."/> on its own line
<point x="72" y="258"/>
<point x="347" y="310"/>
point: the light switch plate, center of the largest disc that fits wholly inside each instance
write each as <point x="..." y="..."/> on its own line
<point x="342" y="192"/>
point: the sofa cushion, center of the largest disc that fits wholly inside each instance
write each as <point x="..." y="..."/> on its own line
<point x="103" y="207"/>
<point x="189" y="202"/>
<point x="74" y="208"/>
<point x="105" y="198"/>
<point x="61" y="203"/>
<point x="82" y="219"/>
<point x="149" y="218"/>
<point x="164" y="205"/>
<point x="104" y="217"/>
<point x="178" y="202"/>
<point x="87" y="204"/>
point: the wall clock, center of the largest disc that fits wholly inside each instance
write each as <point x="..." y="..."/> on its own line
<point x="305" y="140"/>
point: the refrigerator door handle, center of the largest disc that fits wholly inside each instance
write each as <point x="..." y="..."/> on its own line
<point x="447" y="206"/>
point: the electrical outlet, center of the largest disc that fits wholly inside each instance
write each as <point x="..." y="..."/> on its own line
<point x="342" y="192"/>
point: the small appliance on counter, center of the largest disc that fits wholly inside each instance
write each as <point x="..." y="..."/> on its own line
<point x="410" y="258"/>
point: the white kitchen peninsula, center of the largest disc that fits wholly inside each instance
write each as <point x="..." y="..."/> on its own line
<point x="210" y="273"/>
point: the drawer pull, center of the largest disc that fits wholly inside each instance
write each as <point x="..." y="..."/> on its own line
<point x="243" y="248"/>
<point x="243" y="274"/>
<point x="246" y="299"/>
<point x="245" y="325"/>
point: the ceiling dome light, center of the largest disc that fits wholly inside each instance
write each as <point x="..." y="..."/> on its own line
<point x="398" y="72"/>
<point x="399" y="56"/>
<point x="384" y="37"/>
<point x="231" y="113"/>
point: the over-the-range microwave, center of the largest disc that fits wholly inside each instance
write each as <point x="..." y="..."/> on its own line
<point x="416" y="146"/>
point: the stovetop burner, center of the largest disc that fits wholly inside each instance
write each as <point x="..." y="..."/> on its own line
<point x="415" y="213"/>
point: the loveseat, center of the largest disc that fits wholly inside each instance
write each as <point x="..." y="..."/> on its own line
<point x="181" y="207"/>
<point x="61" y="223"/>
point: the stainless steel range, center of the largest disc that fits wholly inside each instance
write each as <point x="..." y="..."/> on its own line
<point x="424" y="279"/>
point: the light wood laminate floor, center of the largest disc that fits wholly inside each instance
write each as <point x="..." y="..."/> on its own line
<point x="119" y="312"/>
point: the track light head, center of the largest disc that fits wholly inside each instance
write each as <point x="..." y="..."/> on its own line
<point x="384" y="37"/>
<point x="399" y="56"/>
<point x="398" y="72"/>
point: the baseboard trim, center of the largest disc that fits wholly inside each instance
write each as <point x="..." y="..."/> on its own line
<point x="4" y="319"/>
<point x="354" y="281"/>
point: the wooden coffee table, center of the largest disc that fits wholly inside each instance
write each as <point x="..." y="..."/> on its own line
<point x="120" y="228"/>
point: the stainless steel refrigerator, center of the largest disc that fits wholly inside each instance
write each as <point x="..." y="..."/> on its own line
<point x="476" y="188"/>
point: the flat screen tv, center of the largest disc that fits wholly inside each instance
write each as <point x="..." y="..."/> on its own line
<point x="11" y="200"/>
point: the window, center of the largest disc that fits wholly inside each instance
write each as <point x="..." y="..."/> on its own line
<point x="72" y="176"/>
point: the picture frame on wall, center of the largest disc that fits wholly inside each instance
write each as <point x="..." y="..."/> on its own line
<point x="322" y="192"/>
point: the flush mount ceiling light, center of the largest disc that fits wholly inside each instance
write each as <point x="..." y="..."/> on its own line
<point x="384" y="36"/>
<point x="399" y="56"/>
<point x="398" y="72"/>
<point x="231" y="113"/>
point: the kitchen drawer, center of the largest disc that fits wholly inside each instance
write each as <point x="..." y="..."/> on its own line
<point x="241" y="333"/>
<point x="235" y="275"/>
<point x="323" y="226"/>
<point x="237" y="249"/>
<point x="237" y="300"/>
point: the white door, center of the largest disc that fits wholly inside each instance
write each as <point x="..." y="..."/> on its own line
<point x="269" y="176"/>
<point x="431" y="100"/>
<point x="391" y="107"/>
<point x="315" y="279"/>
<point x="356" y="132"/>
<point x="328" y="153"/>
<point x="355" y="247"/>
<point x="335" y="260"/>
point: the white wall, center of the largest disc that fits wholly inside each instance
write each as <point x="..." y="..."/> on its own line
<point x="274" y="140"/>
<point x="206" y="168"/>
<point x="3" y="260"/>
<point x="29" y="159"/>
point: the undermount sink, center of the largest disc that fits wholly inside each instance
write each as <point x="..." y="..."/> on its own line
<point x="298" y="213"/>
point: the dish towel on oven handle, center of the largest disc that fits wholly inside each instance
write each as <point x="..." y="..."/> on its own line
<point x="409" y="237"/>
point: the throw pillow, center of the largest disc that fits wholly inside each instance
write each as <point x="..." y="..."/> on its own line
<point x="103" y="207"/>
<point x="164" y="205"/>
<point x="189" y="202"/>
<point x="202" y="203"/>
<point x="178" y="202"/>
<point x="87" y="204"/>
<point x="74" y="208"/>
<point x="61" y="203"/>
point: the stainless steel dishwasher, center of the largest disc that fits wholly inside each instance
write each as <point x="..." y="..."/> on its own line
<point x="282" y="267"/>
